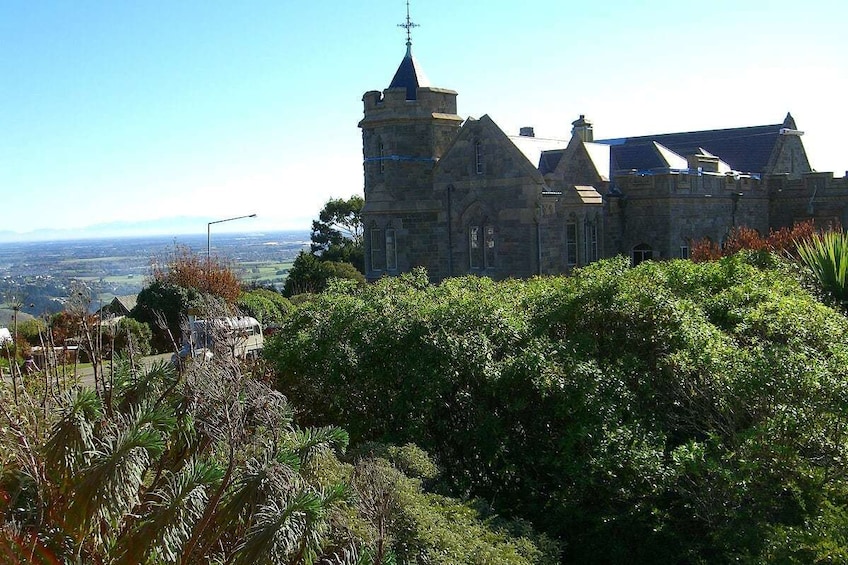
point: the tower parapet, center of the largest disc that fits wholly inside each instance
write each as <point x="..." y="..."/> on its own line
<point x="406" y="129"/>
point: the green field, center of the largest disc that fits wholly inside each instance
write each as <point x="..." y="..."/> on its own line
<point x="263" y="272"/>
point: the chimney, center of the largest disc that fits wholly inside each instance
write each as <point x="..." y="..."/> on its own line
<point x="582" y="128"/>
<point x="527" y="131"/>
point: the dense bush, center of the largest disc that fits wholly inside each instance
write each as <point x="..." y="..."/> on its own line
<point x="743" y="238"/>
<point x="207" y="467"/>
<point x="267" y="306"/>
<point x="675" y="412"/>
<point x="208" y="275"/>
<point x="131" y="337"/>
<point x="164" y="307"/>
<point x="311" y="274"/>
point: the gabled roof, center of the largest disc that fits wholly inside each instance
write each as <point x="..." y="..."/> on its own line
<point x="549" y="160"/>
<point x="745" y="149"/>
<point x="409" y="75"/>
<point x="486" y="129"/>
<point x="128" y="301"/>
<point x="534" y="148"/>
<point x="121" y="305"/>
<point x="600" y="156"/>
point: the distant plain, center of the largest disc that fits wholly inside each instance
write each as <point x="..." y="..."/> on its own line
<point x="38" y="276"/>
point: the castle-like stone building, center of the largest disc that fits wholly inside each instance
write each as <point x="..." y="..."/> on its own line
<point x="460" y="196"/>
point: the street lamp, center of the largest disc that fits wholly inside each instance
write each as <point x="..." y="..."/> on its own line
<point x="209" y="232"/>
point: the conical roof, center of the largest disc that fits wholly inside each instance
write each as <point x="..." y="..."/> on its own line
<point x="409" y="75"/>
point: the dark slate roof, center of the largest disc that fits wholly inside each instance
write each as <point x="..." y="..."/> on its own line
<point x="637" y="156"/>
<point x="409" y="75"/>
<point x="549" y="160"/>
<point x="746" y="149"/>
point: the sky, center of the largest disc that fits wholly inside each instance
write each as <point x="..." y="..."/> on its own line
<point x="139" y="110"/>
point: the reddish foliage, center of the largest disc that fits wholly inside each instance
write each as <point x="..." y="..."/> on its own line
<point x="783" y="240"/>
<point x="64" y="325"/>
<point x="705" y="250"/>
<point x="188" y="270"/>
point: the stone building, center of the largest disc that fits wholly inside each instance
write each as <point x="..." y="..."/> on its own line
<point x="459" y="196"/>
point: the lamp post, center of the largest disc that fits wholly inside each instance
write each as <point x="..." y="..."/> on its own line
<point x="209" y="233"/>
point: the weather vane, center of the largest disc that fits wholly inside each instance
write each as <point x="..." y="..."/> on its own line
<point x="408" y="25"/>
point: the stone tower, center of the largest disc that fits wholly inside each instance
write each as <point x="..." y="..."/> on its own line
<point x="406" y="129"/>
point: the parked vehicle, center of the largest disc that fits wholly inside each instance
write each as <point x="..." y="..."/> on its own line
<point x="235" y="337"/>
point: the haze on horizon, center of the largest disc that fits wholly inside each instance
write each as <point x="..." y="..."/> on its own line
<point x="139" y="112"/>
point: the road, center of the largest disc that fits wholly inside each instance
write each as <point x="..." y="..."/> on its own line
<point x="86" y="373"/>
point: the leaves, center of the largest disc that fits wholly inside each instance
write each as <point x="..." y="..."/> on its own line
<point x="671" y="412"/>
<point x="827" y="255"/>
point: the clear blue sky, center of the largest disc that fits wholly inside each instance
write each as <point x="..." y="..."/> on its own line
<point x="143" y="109"/>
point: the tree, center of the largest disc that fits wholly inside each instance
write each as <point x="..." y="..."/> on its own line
<point x="164" y="307"/>
<point x="338" y="231"/>
<point x="309" y="274"/>
<point x="266" y="305"/>
<point x="131" y="337"/>
<point x="184" y="281"/>
<point x="205" y="275"/>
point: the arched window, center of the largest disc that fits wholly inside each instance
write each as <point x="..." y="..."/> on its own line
<point x="642" y="252"/>
<point x="481" y="246"/>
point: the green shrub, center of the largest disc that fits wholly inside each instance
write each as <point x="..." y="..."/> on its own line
<point x="674" y="412"/>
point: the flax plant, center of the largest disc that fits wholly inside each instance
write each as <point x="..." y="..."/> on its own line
<point x="827" y="256"/>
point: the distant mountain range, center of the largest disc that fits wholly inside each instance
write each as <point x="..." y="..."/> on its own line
<point x="177" y="225"/>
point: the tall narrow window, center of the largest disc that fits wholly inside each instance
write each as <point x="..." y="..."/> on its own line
<point x="489" y="251"/>
<point x="571" y="244"/>
<point x="475" y="247"/>
<point x="478" y="157"/>
<point x="590" y="241"/>
<point x="391" y="250"/>
<point x="382" y="158"/>
<point x="377" y="250"/>
<point x="684" y="251"/>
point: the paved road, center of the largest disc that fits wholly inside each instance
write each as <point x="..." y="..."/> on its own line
<point x="86" y="374"/>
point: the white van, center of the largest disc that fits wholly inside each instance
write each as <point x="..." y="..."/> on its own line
<point x="236" y="337"/>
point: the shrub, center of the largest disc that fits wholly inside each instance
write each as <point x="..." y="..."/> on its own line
<point x="783" y="241"/>
<point x="673" y="412"/>
<point x="267" y="306"/>
<point x="206" y="275"/>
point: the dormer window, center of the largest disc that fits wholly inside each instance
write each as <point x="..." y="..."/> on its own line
<point x="478" y="157"/>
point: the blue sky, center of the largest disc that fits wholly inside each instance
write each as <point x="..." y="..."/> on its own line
<point x="143" y="109"/>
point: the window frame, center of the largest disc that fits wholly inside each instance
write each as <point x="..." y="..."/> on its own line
<point x="391" y="235"/>
<point x="571" y="249"/>
<point x="645" y="251"/>
<point x="377" y="251"/>
<point x="475" y="249"/>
